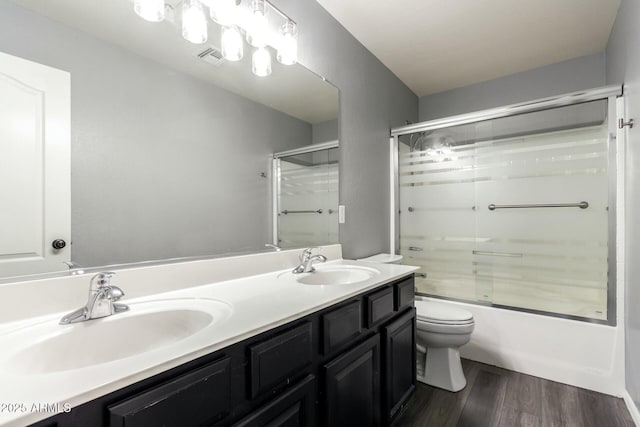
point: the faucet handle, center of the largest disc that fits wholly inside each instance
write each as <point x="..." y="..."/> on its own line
<point x="114" y="293"/>
<point x="306" y="254"/>
<point x="101" y="279"/>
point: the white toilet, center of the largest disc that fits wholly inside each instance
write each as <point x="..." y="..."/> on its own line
<point x="383" y="259"/>
<point x="441" y="331"/>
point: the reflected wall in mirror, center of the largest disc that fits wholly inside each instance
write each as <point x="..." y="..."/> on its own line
<point x="306" y="188"/>
<point x="169" y="153"/>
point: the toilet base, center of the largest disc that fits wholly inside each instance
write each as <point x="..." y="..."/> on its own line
<point x="443" y="369"/>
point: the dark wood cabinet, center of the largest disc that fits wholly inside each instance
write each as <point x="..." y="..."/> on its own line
<point x="379" y="306"/>
<point x="341" y="327"/>
<point x="404" y="294"/>
<point x="278" y="359"/>
<point x="399" y="363"/>
<point x="294" y="408"/>
<point x="351" y="364"/>
<point x="352" y="386"/>
<point x="194" y="399"/>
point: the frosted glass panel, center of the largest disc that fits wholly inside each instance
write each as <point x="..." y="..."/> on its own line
<point x="308" y="199"/>
<point x="551" y="259"/>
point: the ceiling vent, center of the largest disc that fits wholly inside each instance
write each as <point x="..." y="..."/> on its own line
<point x="212" y="56"/>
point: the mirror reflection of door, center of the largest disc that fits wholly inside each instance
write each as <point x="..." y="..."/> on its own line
<point x="306" y="186"/>
<point x="35" y="229"/>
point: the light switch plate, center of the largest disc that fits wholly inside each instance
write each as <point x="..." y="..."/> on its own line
<point x="341" y="214"/>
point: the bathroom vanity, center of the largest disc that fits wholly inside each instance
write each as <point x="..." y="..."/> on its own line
<point x="287" y="353"/>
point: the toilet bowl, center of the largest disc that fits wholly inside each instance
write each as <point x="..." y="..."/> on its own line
<point x="441" y="331"/>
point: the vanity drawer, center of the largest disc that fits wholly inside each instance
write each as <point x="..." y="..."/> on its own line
<point x="404" y="293"/>
<point x="379" y="306"/>
<point x="341" y="326"/>
<point x="197" y="398"/>
<point x="275" y="361"/>
<point x="295" y="407"/>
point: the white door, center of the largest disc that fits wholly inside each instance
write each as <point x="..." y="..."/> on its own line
<point x="34" y="167"/>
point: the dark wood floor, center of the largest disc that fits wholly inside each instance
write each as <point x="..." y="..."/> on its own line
<point x="502" y="398"/>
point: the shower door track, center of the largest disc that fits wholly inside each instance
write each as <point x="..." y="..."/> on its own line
<point x="512" y="110"/>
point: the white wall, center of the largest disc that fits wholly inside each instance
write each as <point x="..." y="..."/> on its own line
<point x="623" y="66"/>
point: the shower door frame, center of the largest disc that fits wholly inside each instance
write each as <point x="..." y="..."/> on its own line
<point x="615" y="110"/>
<point x="275" y="178"/>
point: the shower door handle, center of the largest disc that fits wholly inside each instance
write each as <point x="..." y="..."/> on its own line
<point x="505" y="254"/>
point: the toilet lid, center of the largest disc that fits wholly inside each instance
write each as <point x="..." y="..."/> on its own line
<point x="434" y="312"/>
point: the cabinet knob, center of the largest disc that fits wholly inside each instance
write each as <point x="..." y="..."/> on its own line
<point x="58" y="244"/>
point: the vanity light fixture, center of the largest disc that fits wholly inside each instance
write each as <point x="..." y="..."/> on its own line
<point x="194" y="22"/>
<point x="264" y="26"/>
<point x="231" y="43"/>
<point x="261" y="62"/>
<point x="288" y="49"/>
<point x="149" y="10"/>
<point x="257" y="25"/>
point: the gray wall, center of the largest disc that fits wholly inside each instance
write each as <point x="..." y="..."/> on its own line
<point x="567" y="76"/>
<point x="623" y="66"/>
<point x="163" y="165"/>
<point x="324" y="131"/>
<point x="372" y="100"/>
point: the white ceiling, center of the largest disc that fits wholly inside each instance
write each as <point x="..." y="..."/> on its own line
<point x="289" y="89"/>
<point x="436" y="45"/>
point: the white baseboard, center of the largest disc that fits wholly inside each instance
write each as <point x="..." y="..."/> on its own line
<point x="631" y="406"/>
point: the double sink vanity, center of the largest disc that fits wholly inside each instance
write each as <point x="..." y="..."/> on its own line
<point x="231" y="341"/>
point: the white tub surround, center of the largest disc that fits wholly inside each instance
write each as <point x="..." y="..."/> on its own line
<point x="252" y="294"/>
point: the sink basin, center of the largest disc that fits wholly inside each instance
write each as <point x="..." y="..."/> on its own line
<point x="148" y="326"/>
<point x="336" y="275"/>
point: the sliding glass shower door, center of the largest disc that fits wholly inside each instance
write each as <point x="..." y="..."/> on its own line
<point x="512" y="211"/>
<point x="306" y="204"/>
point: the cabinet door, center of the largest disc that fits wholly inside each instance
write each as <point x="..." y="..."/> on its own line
<point x="293" y="409"/>
<point x="352" y="386"/>
<point x="399" y="362"/>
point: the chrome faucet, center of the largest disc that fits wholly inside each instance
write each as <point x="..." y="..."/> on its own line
<point x="274" y="247"/>
<point x="307" y="260"/>
<point x="102" y="301"/>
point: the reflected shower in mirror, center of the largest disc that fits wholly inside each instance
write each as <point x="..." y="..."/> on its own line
<point x="306" y="188"/>
<point x="169" y="147"/>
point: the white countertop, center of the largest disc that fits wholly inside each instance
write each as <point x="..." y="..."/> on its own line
<point x="256" y="304"/>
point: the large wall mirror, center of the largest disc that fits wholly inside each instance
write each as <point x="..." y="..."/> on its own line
<point x="170" y="149"/>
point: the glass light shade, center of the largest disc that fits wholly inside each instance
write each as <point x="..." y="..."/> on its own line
<point x="288" y="49"/>
<point x="257" y="29"/>
<point x="149" y="10"/>
<point x="223" y="12"/>
<point x="232" y="43"/>
<point x="261" y="62"/>
<point x="194" y="22"/>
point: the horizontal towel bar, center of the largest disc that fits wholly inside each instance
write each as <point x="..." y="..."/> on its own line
<point x="491" y="253"/>
<point x="581" y="205"/>
<point x="286" y="212"/>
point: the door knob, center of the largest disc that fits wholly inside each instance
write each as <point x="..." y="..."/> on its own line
<point x="58" y="244"/>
